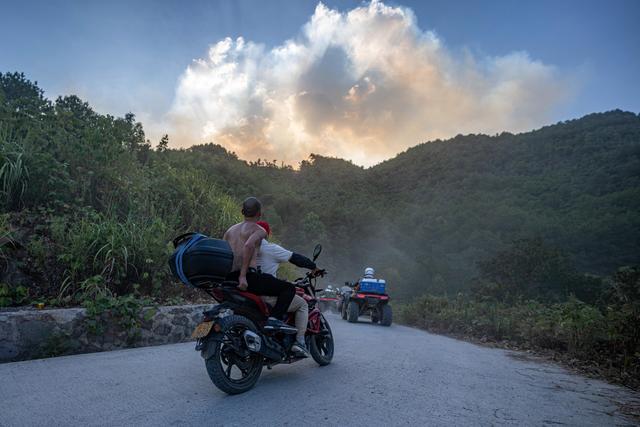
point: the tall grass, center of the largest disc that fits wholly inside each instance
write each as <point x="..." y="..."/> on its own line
<point x="5" y="236"/>
<point x="122" y="252"/>
<point x="199" y="204"/>
<point x="14" y="174"/>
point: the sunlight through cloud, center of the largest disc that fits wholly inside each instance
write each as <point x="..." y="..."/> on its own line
<point x="362" y="85"/>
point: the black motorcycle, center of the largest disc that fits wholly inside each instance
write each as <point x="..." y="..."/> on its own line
<point x="234" y="344"/>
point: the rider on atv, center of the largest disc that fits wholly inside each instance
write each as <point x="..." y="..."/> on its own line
<point x="270" y="256"/>
<point x="368" y="274"/>
<point x="368" y="296"/>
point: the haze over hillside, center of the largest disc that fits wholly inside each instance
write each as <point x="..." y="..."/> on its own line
<point x="427" y="216"/>
<point x="423" y="219"/>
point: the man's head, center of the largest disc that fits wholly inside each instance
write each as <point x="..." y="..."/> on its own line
<point x="251" y="208"/>
<point x="265" y="225"/>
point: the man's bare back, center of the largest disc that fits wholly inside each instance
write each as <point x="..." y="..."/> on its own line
<point x="244" y="239"/>
<point x="237" y="236"/>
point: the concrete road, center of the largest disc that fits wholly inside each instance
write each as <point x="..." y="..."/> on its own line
<point x="380" y="376"/>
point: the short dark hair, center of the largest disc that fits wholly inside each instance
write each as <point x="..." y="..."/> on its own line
<point x="251" y="207"/>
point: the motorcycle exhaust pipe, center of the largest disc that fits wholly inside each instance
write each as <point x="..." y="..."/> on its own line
<point x="263" y="345"/>
<point x="253" y="341"/>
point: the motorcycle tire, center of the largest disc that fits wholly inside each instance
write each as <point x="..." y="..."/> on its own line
<point x="387" y="315"/>
<point x="343" y="311"/>
<point x="321" y="346"/>
<point x="353" y="311"/>
<point x="219" y="374"/>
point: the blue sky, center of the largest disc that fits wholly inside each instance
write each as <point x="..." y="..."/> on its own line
<point x="129" y="56"/>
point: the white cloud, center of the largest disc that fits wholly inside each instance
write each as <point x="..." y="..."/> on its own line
<point x="361" y="85"/>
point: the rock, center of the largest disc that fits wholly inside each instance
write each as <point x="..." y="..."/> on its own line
<point x="162" y="330"/>
<point x="180" y="321"/>
<point x="26" y="333"/>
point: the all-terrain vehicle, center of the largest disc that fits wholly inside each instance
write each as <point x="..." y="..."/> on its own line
<point x="328" y="299"/>
<point x="366" y="297"/>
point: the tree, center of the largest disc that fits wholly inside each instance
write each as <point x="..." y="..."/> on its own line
<point x="163" y="145"/>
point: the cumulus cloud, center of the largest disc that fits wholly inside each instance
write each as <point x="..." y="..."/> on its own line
<point x="362" y="85"/>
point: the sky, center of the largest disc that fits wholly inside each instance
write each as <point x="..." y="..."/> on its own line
<point x="358" y="80"/>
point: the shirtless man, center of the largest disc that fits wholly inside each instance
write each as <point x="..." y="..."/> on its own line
<point x="244" y="239"/>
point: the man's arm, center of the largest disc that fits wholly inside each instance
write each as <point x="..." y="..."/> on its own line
<point x="302" y="261"/>
<point x="283" y="255"/>
<point x="248" y="250"/>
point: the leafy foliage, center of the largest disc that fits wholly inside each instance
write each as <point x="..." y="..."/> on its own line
<point x="89" y="196"/>
<point x="605" y="336"/>
<point x="12" y="296"/>
<point x="523" y="229"/>
<point x="530" y="269"/>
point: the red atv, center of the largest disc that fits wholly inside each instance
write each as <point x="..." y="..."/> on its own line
<point x="327" y="300"/>
<point x="358" y="302"/>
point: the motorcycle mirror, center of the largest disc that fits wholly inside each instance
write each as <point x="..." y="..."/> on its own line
<point x="316" y="251"/>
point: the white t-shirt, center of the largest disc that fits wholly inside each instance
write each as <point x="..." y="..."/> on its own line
<point x="271" y="256"/>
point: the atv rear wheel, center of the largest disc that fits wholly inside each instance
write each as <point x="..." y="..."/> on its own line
<point x="353" y="311"/>
<point x="387" y="315"/>
<point x="232" y="367"/>
<point x="321" y="345"/>
<point x="375" y="315"/>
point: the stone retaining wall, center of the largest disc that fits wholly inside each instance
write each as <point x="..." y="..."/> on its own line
<point x="32" y="334"/>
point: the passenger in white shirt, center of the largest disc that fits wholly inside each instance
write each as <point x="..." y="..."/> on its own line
<point x="269" y="258"/>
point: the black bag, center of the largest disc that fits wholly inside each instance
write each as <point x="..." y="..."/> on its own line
<point x="199" y="259"/>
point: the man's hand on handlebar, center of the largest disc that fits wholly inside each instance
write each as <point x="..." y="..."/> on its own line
<point x="317" y="272"/>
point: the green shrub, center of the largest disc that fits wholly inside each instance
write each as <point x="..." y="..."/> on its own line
<point x="122" y="311"/>
<point x="14" y="173"/>
<point x="5" y="235"/>
<point x="121" y="252"/>
<point x="581" y="326"/>
<point x="13" y="296"/>
<point x="609" y="338"/>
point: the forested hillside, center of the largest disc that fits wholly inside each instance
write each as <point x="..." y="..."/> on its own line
<point x="87" y="199"/>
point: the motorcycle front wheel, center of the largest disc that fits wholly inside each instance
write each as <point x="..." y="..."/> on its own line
<point x="232" y="367"/>
<point x="321" y="345"/>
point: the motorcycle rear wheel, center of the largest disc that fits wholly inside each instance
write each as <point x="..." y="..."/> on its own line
<point x="220" y="366"/>
<point x="321" y="345"/>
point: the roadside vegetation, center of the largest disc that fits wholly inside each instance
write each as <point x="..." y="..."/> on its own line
<point x="524" y="238"/>
<point x="529" y="298"/>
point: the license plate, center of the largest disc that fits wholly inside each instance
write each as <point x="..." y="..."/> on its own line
<point x="202" y="330"/>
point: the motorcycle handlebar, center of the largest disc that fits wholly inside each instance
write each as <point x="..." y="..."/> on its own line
<point x="303" y="282"/>
<point x="317" y="273"/>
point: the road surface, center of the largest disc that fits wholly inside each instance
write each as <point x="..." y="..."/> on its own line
<point x="380" y="376"/>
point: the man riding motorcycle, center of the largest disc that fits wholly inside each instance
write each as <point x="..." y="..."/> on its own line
<point x="269" y="258"/>
<point x="244" y="238"/>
